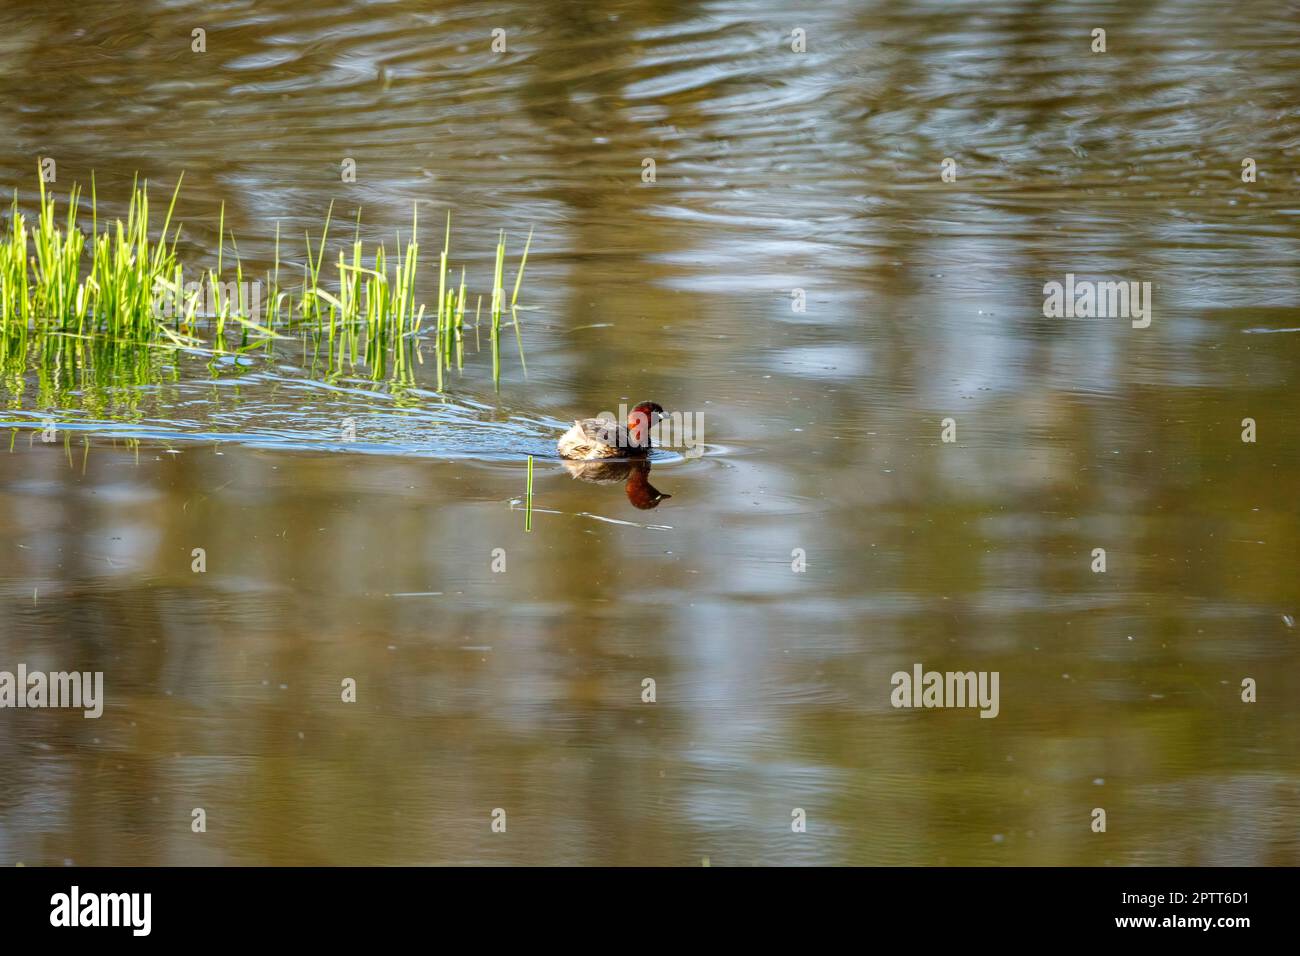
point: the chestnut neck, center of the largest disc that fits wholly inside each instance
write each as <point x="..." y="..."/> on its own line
<point x="638" y="429"/>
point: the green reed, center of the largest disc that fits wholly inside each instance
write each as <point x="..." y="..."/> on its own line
<point x="117" y="284"/>
<point x="528" y="499"/>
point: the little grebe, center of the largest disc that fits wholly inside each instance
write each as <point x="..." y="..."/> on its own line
<point x="594" y="438"/>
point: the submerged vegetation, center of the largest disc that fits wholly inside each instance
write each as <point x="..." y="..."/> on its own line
<point x="67" y="298"/>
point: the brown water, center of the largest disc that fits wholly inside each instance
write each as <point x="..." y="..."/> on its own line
<point x="775" y="171"/>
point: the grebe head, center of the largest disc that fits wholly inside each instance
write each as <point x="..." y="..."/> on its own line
<point x="640" y="420"/>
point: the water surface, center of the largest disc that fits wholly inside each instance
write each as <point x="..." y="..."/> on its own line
<point x="775" y="172"/>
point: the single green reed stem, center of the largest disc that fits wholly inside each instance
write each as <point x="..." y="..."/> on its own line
<point x="460" y="323"/>
<point x="528" y="501"/>
<point x="519" y="276"/>
<point x="443" y="318"/>
<point x="498" y="293"/>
